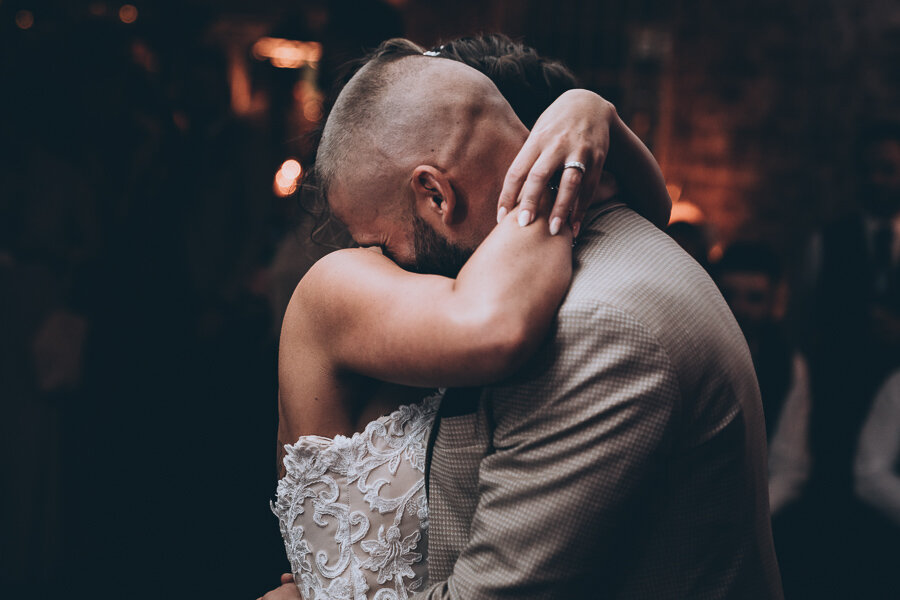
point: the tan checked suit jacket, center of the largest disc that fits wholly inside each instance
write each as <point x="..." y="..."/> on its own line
<point x="625" y="460"/>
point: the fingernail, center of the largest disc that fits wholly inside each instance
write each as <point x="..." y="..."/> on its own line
<point x="501" y="212"/>
<point x="524" y="218"/>
<point x="555" y="224"/>
<point x="575" y="229"/>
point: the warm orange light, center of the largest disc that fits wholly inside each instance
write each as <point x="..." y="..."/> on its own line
<point x="309" y="99"/>
<point x="687" y="212"/>
<point x="282" y="180"/>
<point x="286" y="178"/>
<point x="291" y="168"/>
<point x="284" y="191"/>
<point x="287" y="54"/>
<point x="674" y="191"/>
<point x="24" y="19"/>
<point x="143" y="55"/>
<point x="239" y="84"/>
<point x="128" y="13"/>
<point x="312" y="110"/>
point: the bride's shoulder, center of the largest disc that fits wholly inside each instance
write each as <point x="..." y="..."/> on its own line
<point x="338" y="266"/>
<point x="340" y="278"/>
<point x="356" y="271"/>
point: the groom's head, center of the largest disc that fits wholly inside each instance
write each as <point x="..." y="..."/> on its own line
<point x="413" y="156"/>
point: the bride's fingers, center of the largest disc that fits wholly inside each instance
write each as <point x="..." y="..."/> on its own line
<point x="287" y="578"/>
<point x="515" y="177"/>
<point x="535" y="185"/>
<point x="566" y="198"/>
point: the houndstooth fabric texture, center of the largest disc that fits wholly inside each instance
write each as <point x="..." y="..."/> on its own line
<point x="626" y="459"/>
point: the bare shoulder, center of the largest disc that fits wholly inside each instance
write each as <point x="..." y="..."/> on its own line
<point x="332" y="278"/>
<point x="335" y="269"/>
<point x="338" y="294"/>
<point x="310" y="390"/>
<point x="316" y="396"/>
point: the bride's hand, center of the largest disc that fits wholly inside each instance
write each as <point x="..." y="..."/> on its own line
<point x="575" y="128"/>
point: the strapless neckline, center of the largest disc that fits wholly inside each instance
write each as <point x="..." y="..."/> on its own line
<point x="394" y="415"/>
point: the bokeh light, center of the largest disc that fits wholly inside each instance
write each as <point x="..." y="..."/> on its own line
<point x="287" y="54"/>
<point x="687" y="212"/>
<point x="310" y="99"/>
<point x="128" y="13"/>
<point x="291" y="168"/>
<point x="286" y="178"/>
<point x="24" y="19"/>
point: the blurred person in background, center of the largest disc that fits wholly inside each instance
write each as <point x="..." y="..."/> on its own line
<point x="849" y="313"/>
<point x="875" y="467"/>
<point x="749" y="275"/>
<point x="876" y="472"/>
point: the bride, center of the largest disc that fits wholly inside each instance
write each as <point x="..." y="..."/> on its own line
<point x="364" y="340"/>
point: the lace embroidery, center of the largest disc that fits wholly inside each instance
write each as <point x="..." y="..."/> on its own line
<point x="337" y="493"/>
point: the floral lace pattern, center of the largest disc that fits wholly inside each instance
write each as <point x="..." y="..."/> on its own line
<point x="352" y="511"/>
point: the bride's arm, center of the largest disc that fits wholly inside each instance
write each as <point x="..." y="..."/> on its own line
<point x="356" y="311"/>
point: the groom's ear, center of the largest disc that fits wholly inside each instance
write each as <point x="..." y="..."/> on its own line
<point x="433" y="193"/>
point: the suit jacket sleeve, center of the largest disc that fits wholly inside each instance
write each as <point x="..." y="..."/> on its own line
<point x="575" y="449"/>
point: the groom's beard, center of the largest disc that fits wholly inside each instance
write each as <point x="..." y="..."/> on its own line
<point x="434" y="254"/>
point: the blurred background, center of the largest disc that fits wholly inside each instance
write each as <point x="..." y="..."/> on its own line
<point x="151" y="235"/>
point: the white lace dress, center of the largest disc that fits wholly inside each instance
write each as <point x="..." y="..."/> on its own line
<point x="352" y="511"/>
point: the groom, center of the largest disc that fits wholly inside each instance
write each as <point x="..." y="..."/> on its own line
<point x="626" y="459"/>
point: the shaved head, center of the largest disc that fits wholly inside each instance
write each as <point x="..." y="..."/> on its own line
<point x="395" y="109"/>
<point x="399" y="113"/>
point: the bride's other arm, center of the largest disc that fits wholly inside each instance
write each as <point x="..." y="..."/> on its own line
<point x="358" y="312"/>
